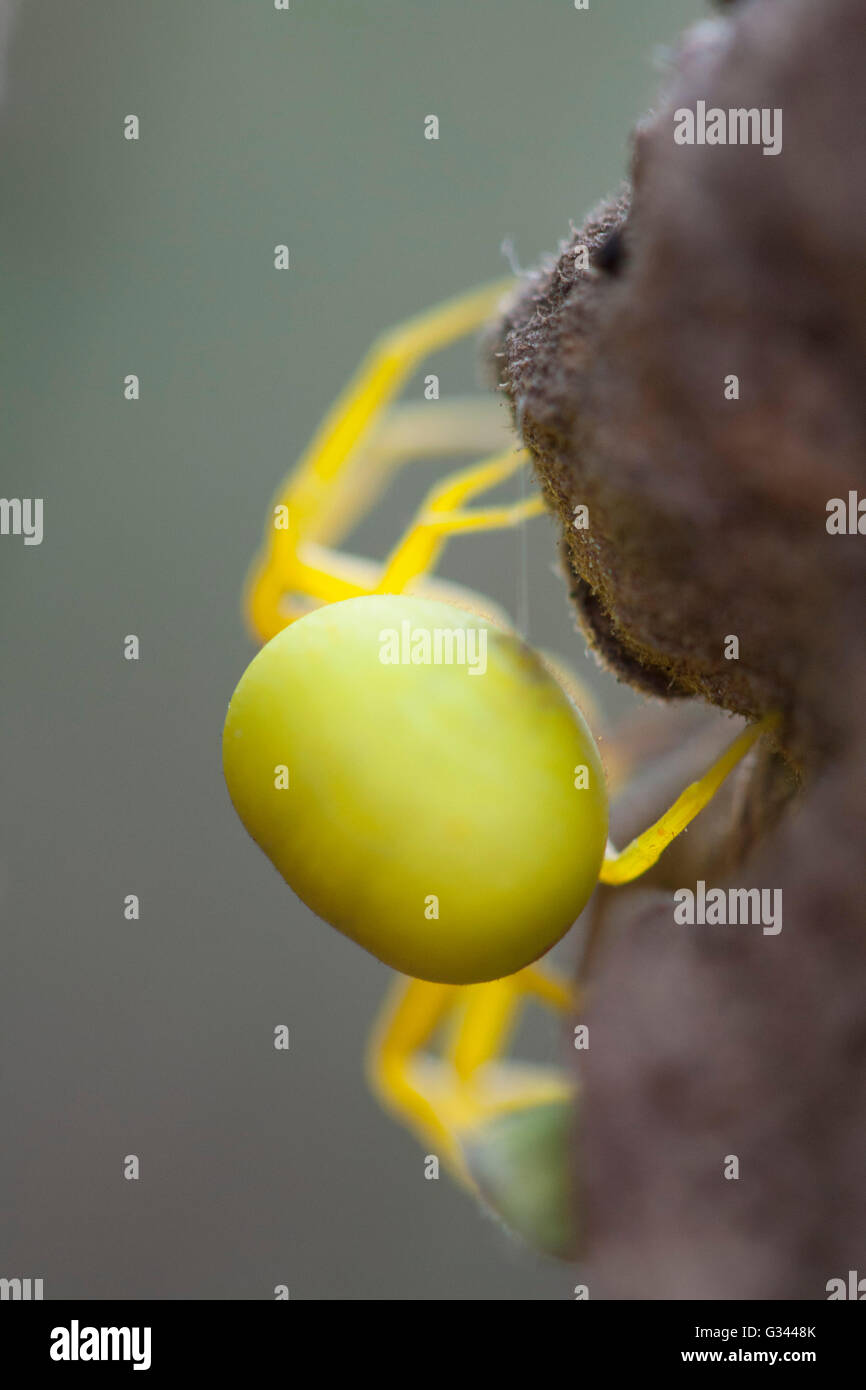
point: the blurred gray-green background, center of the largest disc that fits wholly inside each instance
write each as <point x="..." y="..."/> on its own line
<point x="156" y="1037"/>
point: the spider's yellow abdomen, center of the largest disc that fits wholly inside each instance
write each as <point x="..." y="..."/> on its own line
<point x="431" y="811"/>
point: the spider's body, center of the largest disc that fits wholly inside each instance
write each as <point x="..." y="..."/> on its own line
<point x="450" y="817"/>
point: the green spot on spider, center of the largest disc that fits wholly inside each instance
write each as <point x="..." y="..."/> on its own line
<point x="521" y="1164"/>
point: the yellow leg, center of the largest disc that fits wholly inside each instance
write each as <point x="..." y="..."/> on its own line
<point x="443" y="1098"/>
<point x="408" y="432"/>
<point x="326" y="491"/>
<point x="484" y="1025"/>
<point x="440" y="516"/>
<point x="325" y="576"/>
<point x="321" y="575"/>
<point x="413" y="1011"/>
<point x="382" y="373"/>
<point x="489" y="1013"/>
<point x="550" y="987"/>
<point x="645" y="850"/>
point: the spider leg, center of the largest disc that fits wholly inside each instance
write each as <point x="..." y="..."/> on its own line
<point x="321" y="574"/>
<point x="411" y="1015"/>
<point x="315" y="495"/>
<point x="441" y="515"/>
<point x="327" y="576"/>
<point x="483" y="1085"/>
<point x="409" y="431"/>
<point x="627" y="864"/>
<point x="445" y="1098"/>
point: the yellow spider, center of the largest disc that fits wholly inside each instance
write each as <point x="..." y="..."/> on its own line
<point x="447" y="812"/>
